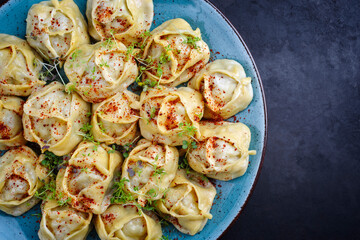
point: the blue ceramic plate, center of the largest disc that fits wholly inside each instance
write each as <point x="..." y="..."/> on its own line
<point x="225" y="42"/>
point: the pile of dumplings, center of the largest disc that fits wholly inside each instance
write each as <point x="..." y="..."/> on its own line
<point x="123" y="162"/>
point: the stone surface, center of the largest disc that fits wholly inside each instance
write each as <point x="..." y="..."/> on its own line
<point x="308" y="54"/>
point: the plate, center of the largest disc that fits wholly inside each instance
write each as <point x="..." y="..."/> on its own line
<point x="224" y="42"/>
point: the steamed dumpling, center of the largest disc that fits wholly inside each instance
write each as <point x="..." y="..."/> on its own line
<point x="188" y="202"/>
<point x="150" y="168"/>
<point x="99" y="71"/>
<point x="115" y="120"/>
<point x="55" y="28"/>
<point x="19" y="67"/>
<point x="88" y="177"/>
<point x="177" y="53"/>
<point x="63" y="222"/>
<point x="20" y="178"/>
<point x="127" y="222"/>
<point x="124" y="20"/>
<point x="11" y="130"/>
<point x="170" y="116"/>
<point x="223" y="150"/>
<point x="225" y="88"/>
<point x="53" y="118"/>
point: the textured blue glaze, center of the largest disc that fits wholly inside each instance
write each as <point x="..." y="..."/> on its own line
<point x="221" y="38"/>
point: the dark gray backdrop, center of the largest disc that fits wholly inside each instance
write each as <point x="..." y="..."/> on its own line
<point x="308" y="54"/>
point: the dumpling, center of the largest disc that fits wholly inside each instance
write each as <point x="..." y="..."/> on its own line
<point x="225" y="88"/>
<point x="99" y="71"/>
<point x="63" y="222"/>
<point x="150" y="168"/>
<point x="170" y="116"/>
<point x="123" y="19"/>
<point x="176" y="52"/>
<point x="88" y="177"/>
<point x="127" y="222"/>
<point x="53" y="118"/>
<point x="223" y="150"/>
<point x="20" y="174"/>
<point x="19" y="67"/>
<point x="11" y="130"/>
<point x="55" y="28"/>
<point x="188" y="202"/>
<point x="115" y="119"/>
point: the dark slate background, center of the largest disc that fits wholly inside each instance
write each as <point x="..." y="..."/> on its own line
<point x="308" y="55"/>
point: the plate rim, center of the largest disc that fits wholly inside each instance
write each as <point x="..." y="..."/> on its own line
<point x="233" y="221"/>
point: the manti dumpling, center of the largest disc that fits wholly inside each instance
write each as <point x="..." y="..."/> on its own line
<point x="20" y="178"/>
<point x="177" y="50"/>
<point x="55" y="28"/>
<point x="150" y="168"/>
<point x="188" y="202"/>
<point x="223" y="150"/>
<point x="19" y="67"/>
<point x="101" y="70"/>
<point x="122" y="19"/>
<point x="11" y="130"/>
<point x="170" y="116"/>
<point x="225" y="88"/>
<point x="53" y="118"/>
<point x="63" y="222"/>
<point x="115" y="119"/>
<point x="88" y="177"/>
<point x="127" y="222"/>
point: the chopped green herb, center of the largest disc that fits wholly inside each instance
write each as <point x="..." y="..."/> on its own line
<point x="159" y="71"/>
<point x="152" y="193"/>
<point x="70" y="88"/>
<point x="74" y="55"/>
<point x="163" y="237"/>
<point x="47" y="192"/>
<point x="187" y="129"/>
<point x="103" y="63"/>
<point x="120" y="195"/>
<point x="126" y="149"/>
<point x="191" y="41"/>
<point x="129" y="52"/>
<point x="163" y="222"/>
<point x="200" y="115"/>
<point x="148" y="207"/>
<point x="144" y="36"/>
<point x="52" y="162"/>
<point x="152" y="112"/>
<point x="86" y="127"/>
<point x="101" y="126"/>
<point x="108" y="43"/>
<point x="158" y="171"/>
<point x="184" y="164"/>
<point x="87" y="135"/>
<point x="62" y="202"/>
<point x="113" y="148"/>
<point x="36" y="215"/>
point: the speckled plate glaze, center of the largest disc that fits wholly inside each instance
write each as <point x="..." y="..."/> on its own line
<point x="225" y="42"/>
